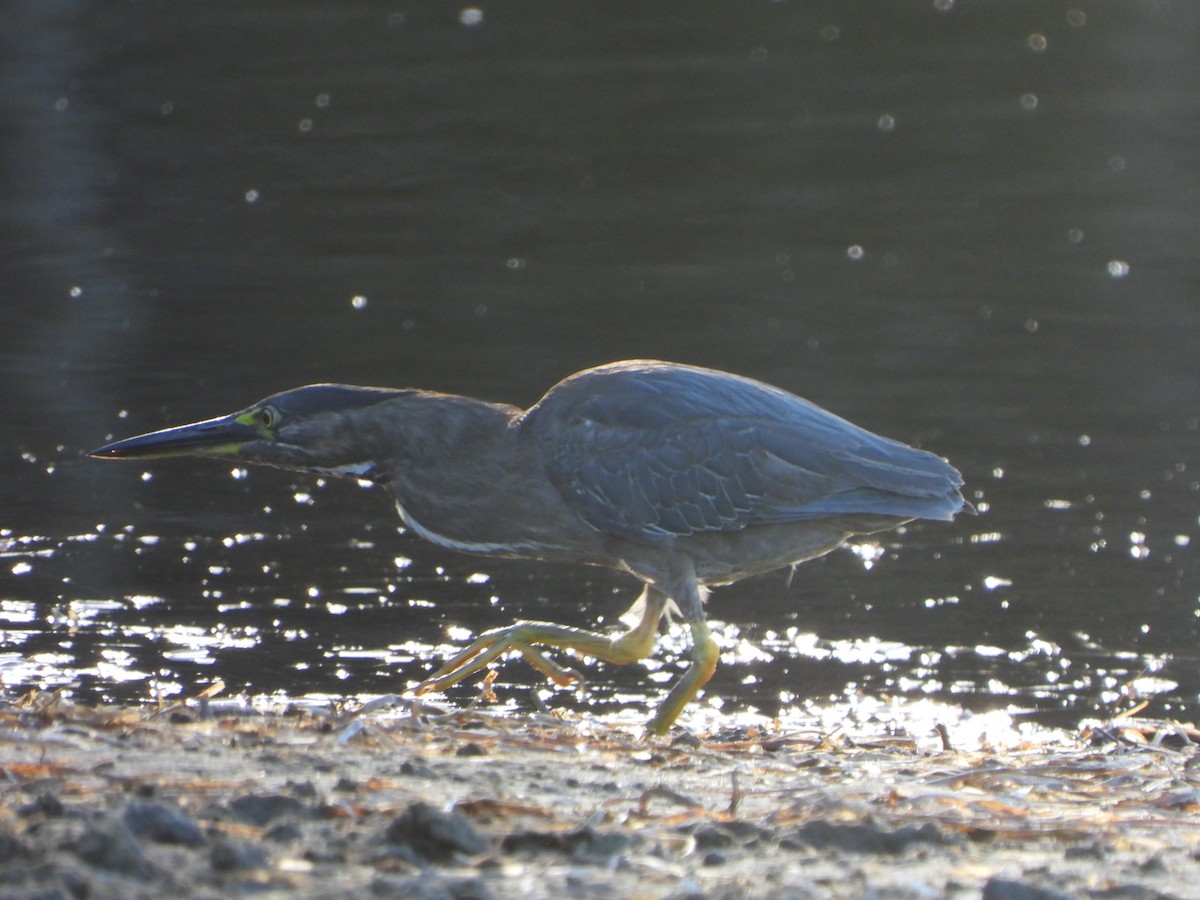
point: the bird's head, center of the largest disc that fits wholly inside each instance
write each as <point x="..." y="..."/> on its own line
<point x="331" y="429"/>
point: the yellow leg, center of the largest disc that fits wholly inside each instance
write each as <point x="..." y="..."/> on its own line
<point x="704" y="662"/>
<point x="635" y="644"/>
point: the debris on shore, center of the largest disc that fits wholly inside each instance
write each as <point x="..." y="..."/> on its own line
<point x="206" y="801"/>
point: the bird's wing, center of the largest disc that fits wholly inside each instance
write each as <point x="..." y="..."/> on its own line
<point x="650" y="451"/>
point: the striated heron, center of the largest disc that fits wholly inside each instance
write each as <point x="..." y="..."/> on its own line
<point x="682" y="476"/>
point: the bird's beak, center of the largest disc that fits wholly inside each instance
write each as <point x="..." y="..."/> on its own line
<point x="213" y="437"/>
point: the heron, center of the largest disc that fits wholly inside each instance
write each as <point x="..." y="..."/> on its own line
<point x="684" y="477"/>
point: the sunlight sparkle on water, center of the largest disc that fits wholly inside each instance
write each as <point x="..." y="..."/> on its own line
<point x="871" y="650"/>
<point x="83" y="610"/>
<point x="1137" y="545"/>
<point x="196" y="643"/>
<point x="935" y="602"/>
<point x="234" y="607"/>
<point x="742" y="652"/>
<point x="117" y="665"/>
<point x="868" y="552"/>
<point x="17" y="611"/>
<point x="236" y="539"/>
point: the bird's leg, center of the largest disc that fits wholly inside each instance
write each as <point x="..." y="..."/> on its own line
<point x="704" y="660"/>
<point x="704" y="663"/>
<point x="635" y="644"/>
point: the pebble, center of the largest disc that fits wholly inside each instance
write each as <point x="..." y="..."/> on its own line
<point x="821" y="835"/>
<point x="11" y="847"/>
<point x="284" y="833"/>
<point x="162" y="824"/>
<point x="416" y="768"/>
<point x="583" y="844"/>
<point x="44" y="804"/>
<point x="434" y="835"/>
<point x="229" y="855"/>
<point x="431" y="886"/>
<point x="259" y="809"/>
<point x="1010" y="889"/>
<point x="109" y="844"/>
<point x="1095" y="850"/>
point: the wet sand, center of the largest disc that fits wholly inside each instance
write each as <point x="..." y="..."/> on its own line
<point x="198" y="801"/>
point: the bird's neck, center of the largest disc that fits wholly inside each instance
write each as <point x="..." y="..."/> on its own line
<point x="465" y="477"/>
<point x="428" y="432"/>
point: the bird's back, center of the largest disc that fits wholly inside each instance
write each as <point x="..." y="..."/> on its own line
<point x="649" y="450"/>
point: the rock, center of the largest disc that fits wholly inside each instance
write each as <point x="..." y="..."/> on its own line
<point x="284" y="833"/>
<point x="11" y="847"/>
<point x="595" y="846"/>
<point x="1153" y="865"/>
<point x="110" y="844"/>
<point x="162" y="824"/>
<point x="434" y="835"/>
<point x="583" y="844"/>
<point x="686" y="739"/>
<point x="259" y="809"/>
<point x="42" y="805"/>
<point x="1095" y="850"/>
<point x="416" y="768"/>
<point x="748" y="832"/>
<point x="864" y="838"/>
<point x="709" y="836"/>
<point x="431" y="886"/>
<point x="228" y="855"/>
<point x="1010" y="889"/>
<point x="60" y="879"/>
<point x="305" y="790"/>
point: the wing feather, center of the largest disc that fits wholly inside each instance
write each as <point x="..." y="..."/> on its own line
<point x="651" y="451"/>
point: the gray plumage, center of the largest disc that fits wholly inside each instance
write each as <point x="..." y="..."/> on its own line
<point x="681" y="476"/>
<point x="651" y="451"/>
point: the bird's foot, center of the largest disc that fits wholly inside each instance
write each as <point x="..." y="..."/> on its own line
<point x="633" y="645"/>
<point x="520" y="638"/>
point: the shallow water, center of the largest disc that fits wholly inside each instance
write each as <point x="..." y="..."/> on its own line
<point x="970" y="227"/>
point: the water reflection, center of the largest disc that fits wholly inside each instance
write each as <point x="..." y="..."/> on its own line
<point x="360" y="619"/>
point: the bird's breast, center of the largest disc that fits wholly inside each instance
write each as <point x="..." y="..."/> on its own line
<point x="469" y="545"/>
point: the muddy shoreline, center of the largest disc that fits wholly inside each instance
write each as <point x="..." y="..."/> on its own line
<point x="203" y="801"/>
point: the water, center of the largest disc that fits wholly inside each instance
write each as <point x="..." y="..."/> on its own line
<point x="968" y="226"/>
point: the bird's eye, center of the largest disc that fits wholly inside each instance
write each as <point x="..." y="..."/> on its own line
<point x="268" y="417"/>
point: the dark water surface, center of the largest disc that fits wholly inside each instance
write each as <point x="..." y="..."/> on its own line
<point x="971" y="226"/>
